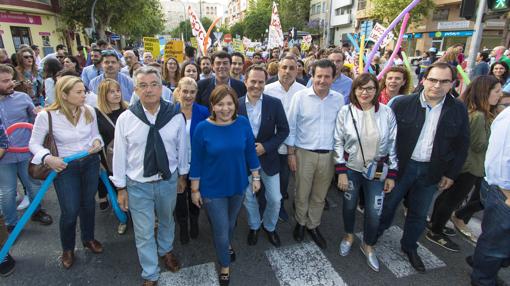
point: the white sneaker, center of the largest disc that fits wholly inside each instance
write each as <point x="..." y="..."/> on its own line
<point x="24" y="203"/>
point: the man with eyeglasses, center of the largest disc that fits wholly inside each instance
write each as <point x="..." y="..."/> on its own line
<point x="93" y="70"/>
<point x="150" y="163"/>
<point x="221" y="66"/>
<point x="60" y="55"/>
<point x="111" y="67"/>
<point x="432" y="145"/>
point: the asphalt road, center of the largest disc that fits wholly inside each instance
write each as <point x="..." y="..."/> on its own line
<point x="38" y="249"/>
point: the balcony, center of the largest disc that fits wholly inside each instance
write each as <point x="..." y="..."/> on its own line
<point x="341" y="20"/>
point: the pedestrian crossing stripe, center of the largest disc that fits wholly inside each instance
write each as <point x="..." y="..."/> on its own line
<point x="389" y="253"/>
<point x="197" y="275"/>
<point x="302" y="264"/>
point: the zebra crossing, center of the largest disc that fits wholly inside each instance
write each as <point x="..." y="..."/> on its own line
<point x="305" y="264"/>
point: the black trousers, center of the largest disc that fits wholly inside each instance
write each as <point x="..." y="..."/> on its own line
<point x="184" y="207"/>
<point x="449" y="200"/>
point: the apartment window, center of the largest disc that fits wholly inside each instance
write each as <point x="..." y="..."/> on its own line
<point x="323" y="7"/>
<point x="1" y="42"/>
<point x="362" y="4"/>
<point x="337" y="12"/>
<point x="441" y="14"/>
<point x="21" y="35"/>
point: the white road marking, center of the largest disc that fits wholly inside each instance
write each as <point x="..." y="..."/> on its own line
<point x="389" y="253"/>
<point x="197" y="275"/>
<point x="303" y="264"/>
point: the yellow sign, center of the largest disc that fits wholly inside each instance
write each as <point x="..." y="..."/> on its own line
<point x="238" y="45"/>
<point x="175" y="49"/>
<point x="305" y="46"/>
<point x="194" y="42"/>
<point x="151" y="45"/>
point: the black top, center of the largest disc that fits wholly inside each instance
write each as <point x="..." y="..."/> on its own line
<point x="106" y="130"/>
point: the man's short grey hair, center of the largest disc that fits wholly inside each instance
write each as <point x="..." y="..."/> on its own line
<point x="146" y="70"/>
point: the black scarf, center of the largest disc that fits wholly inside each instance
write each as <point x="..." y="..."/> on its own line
<point x="155" y="160"/>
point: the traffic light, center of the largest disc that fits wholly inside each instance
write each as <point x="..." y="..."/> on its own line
<point x="467" y="8"/>
<point x="498" y="5"/>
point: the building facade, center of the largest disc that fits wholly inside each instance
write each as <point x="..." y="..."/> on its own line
<point x="343" y="17"/>
<point x="176" y="10"/>
<point x="236" y="10"/>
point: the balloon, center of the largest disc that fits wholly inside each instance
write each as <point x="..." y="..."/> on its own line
<point x="121" y="216"/>
<point x="463" y="74"/>
<point x="33" y="205"/>
<point x="408" y="65"/>
<point x="389" y="64"/>
<point x="356" y="47"/>
<point x="206" y="39"/>
<point x="14" y="127"/>
<point x="375" y="48"/>
<point x="361" y="53"/>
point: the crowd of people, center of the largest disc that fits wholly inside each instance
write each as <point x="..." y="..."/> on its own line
<point x="214" y="131"/>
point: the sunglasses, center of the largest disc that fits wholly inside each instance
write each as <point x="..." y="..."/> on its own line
<point x="28" y="57"/>
<point x="60" y="57"/>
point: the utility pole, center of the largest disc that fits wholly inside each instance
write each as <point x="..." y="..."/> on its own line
<point x="93" y="20"/>
<point x="477" y="36"/>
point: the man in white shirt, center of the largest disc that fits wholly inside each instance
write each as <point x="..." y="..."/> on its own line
<point x="284" y="89"/>
<point x="312" y="115"/>
<point x="146" y="163"/>
<point x="493" y="248"/>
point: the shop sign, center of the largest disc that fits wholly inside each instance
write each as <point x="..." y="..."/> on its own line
<point x="442" y="34"/>
<point x="413" y="36"/>
<point x="451" y="25"/>
<point x="20" y="18"/>
<point x="44" y="33"/>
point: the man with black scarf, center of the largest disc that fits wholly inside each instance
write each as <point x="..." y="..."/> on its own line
<point x="149" y="154"/>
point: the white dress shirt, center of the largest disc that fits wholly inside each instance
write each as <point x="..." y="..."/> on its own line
<point x="69" y="139"/>
<point x="254" y="113"/>
<point x="276" y="89"/>
<point x="423" y="149"/>
<point x="131" y="139"/>
<point x="497" y="157"/>
<point x="312" y="119"/>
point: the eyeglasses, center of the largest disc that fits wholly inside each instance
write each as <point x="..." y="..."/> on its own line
<point x="369" y="89"/>
<point x="440" y="81"/>
<point x="144" y="86"/>
<point x="28" y="57"/>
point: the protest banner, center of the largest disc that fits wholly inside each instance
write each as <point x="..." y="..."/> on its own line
<point x="151" y="45"/>
<point x="175" y="49"/>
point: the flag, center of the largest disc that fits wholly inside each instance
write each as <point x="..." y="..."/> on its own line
<point x="197" y="29"/>
<point x="275" y="30"/>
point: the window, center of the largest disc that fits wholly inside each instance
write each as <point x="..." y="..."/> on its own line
<point x="323" y="7"/>
<point x="362" y="4"/>
<point x="1" y="42"/>
<point x="440" y="14"/>
<point x="337" y="12"/>
<point x="46" y="41"/>
<point x="20" y="35"/>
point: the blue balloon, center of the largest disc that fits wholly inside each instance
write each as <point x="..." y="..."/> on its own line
<point x="33" y="206"/>
<point x="356" y="47"/>
<point x="121" y="216"/>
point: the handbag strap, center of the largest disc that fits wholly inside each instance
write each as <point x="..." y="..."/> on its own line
<point x="107" y="118"/>
<point x="50" y="124"/>
<point x="357" y="134"/>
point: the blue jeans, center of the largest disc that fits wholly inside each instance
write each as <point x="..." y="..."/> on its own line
<point x="374" y="196"/>
<point x="222" y="213"/>
<point x="273" y="198"/>
<point x="76" y="188"/>
<point x="9" y="184"/>
<point x="493" y="247"/>
<point x="145" y="201"/>
<point x="420" y="191"/>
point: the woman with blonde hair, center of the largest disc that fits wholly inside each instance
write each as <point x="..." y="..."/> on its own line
<point x="109" y="107"/>
<point x="171" y="73"/>
<point x="185" y="95"/>
<point x="74" y="128"/>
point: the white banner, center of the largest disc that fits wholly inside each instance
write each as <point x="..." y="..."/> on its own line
<point x="275" y="30"/>
<point x="376" y="34"/>
<point x="197" y="29"/>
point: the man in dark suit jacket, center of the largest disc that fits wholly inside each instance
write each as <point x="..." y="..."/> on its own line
<point x="270" y="128"/>
<point x="221" y="66"/>
<point x="432" y="145"/>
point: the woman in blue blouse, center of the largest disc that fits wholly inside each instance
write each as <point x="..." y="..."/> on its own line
<point x="222" y="148"/>
<point x="185" y="94"/>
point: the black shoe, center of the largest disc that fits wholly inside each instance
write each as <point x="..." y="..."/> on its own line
<point x="317" y="237"/>
<point x="415" y="260"/>
<point x="232" y="253"/>
<point x="253" y="236"/>
<point x="273" y="237"/>
<point x="446" y="230"/>
<point x="299" y="232"/>
<point x="103" y="206"/>
<point x="443" y="241"/>
<point x="42" y="217"/>
<point x="193" y="228"/>
<point x="7" y="266"/>
<point x="184" y="236"/>
<point x="283" y="216"/>
<point x="224" y="279"/>
<point x="10" y="228"/>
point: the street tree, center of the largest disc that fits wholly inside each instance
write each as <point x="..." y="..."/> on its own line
<point x="385" y="11"/>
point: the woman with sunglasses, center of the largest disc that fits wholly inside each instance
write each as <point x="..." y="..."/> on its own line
<point x="365" y="136"/>
<point x="29" y="80"/>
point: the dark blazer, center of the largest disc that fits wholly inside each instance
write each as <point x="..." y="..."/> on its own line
<point x="206" y="86"/>
<point x="199" y="113"/>
<point x="275" y="78"/>
<point x="273" y="130"/>
<point x="451" y="143"/>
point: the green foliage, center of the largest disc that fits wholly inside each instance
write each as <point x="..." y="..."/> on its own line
<point x="294" y="13"/>
<point x="238" y="29"/>
<point x="184" y="29"/>
<point x="387" y="10"/>
<point x="118" y="16"/>
<point x="257" y="19"/>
